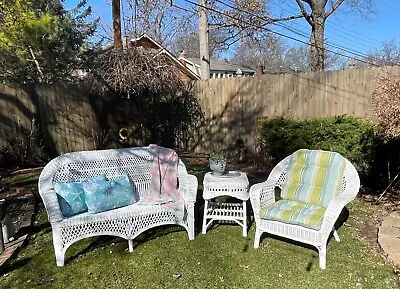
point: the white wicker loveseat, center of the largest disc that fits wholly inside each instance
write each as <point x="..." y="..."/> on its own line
<point x="125" y="222"/>
<point x="287" y="218"/>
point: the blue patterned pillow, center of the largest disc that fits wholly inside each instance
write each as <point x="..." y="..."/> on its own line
<point x="71" y="197"/>
<point x="103" y="195"/>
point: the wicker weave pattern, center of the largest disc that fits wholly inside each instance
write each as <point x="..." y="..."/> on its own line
<point x="262" y="194"/>
<point x="127" y="222"/>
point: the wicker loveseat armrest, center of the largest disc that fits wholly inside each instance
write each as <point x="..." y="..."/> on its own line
<point x="49" y="196"/>
<point x="188" y="187"/>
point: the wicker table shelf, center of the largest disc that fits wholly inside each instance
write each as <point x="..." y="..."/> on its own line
<point x="233" y="184"/>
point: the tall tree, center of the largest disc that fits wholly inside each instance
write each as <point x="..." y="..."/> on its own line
<point x="237" y="20"/>
<point x="276" y="56"/>
<point x="116" y="16"/>
<point x="316" y="12"/>
<point x="251" y="17"/>
<point x="41" y="41"/>
<point x="203" y="41"/>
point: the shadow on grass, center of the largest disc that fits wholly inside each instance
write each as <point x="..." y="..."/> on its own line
<point x="314" y="261"/>
<point x="17" y="264"/>
<point x="105" y="241"/>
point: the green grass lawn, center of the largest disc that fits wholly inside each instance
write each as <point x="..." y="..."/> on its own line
<point x="222" y="258"/>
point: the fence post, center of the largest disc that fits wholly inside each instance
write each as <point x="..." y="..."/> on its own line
<point x="2" y="214"/>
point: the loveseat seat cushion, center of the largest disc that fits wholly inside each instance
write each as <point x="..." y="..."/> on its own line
<point x="294" y="212"/>
<point x="103" y="195"/>
<point x="313" y="176"/>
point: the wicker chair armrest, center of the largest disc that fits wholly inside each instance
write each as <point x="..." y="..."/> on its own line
<point x="261" y="195"/>
<point x="188" y="187"/>
<point x="333" y="211"/>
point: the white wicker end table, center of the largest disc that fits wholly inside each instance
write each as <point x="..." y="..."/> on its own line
<point x="233" y="184"/>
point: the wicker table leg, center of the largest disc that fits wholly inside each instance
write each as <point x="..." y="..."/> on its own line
<point x="2" y="212"/>
<point x="204" y="230"/>
<point x="244" y="208"/>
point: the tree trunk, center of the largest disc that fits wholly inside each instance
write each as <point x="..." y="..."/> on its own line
<point x="41" y="75"/>
<point x="203" y="41"/>
<point x="317" y="49"/>
<point x="116" y="14"/>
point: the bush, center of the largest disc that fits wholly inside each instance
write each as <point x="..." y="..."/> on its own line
<point x="352" y="137"/>
<point x="22" y="146"/>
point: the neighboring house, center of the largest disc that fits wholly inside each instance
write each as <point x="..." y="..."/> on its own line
<point x="218" y="68"/>
<point x="147" y="43"/>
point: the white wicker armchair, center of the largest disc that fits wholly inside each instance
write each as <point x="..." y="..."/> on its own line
<point x="125" y="222"/>
<point x="263" y="195"/>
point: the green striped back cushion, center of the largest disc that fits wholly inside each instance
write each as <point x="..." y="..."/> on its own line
<point x="313" y="176"/>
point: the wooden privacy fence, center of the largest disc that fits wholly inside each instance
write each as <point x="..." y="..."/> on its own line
<point x="58" y="118"/>
<point x="66" y="117"/>
<point x="233" y="106"/>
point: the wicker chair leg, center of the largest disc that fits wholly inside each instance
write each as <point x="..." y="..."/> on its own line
<point x="322" y="257"/>
<point x="59" y="248"/>
<point x="336" y="235"/>
<point x="130" y="245"/>
<point x="190" y="221"/>
<point x="257" y="238"/>
<point x="60" y="253"/>
<point x="191" y="232"/>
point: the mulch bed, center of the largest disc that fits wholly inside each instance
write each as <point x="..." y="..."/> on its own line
<point x="17" y="202"/>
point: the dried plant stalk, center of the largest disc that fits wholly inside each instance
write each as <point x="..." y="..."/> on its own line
<point x="386" y="103"/>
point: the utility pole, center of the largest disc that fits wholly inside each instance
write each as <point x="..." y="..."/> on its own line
<point x="203" y="40"/>
<point x="116" y="15"/>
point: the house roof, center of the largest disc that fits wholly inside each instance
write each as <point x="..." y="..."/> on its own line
<point x="219" y="66"/>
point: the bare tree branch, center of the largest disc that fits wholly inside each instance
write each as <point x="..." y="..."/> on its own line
<point x="333" y="8"/>
<point x="272" y="20"/>
<point x="304" y="12"/>
<point x="39" y="69"/>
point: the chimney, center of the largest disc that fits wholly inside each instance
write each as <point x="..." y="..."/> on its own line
<point x="352" y="63"/>
<point x="125" y="42"/>
<point x="182" y="55"/>
<point x="259" y="70"/>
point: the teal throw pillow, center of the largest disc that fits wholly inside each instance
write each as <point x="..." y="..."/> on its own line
<point x="71" y="197"/>
<point x="104" y="195"/>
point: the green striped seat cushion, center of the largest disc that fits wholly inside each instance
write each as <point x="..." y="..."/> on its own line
<point x="313" y="177"/>
<point x="293" y="212"/>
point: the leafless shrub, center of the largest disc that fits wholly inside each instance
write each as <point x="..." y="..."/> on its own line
<point x="134" y="72"/>
<point x="161" y="108"/>
<point x="386" y="103"/>
<point x="22" y="145"/>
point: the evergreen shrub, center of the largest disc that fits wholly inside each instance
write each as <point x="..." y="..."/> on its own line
<point x="354" y="138"/>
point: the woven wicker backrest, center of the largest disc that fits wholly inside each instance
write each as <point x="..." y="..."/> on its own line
<point x="135" y="162"/>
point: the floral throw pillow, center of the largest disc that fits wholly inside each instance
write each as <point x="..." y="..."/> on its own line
<point x="71" y="197"/>
<point x="104" y="195"/>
